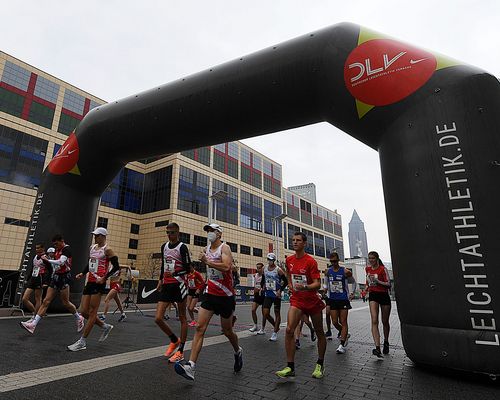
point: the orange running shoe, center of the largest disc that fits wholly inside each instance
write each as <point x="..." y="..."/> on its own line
<point x="172" y="347"/>
<point x="178" y="356"/>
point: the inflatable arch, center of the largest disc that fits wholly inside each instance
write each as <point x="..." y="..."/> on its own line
<point x="434" y="121"/>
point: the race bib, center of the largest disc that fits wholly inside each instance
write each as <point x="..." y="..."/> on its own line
<point x="371" y="279"/>
<point x="336" y="286"/>
<point x="36" y="271"/>
<point x="298" y="280"/>
<point x="170" y="266"/>
<point x="214" y="274"/>
<point x="93" y="264"/>
<point x="191" y="284"/>
<point x="270" y="284"/>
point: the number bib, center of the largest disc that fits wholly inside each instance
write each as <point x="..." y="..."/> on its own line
<point x="191" y="284"/>
<point x="371" y="279"/>
<point x="214" y="274"/>
<point x="36" y="271"/>
<point x="298" y="280"/>
<point x="170" y="266"/>
<point x="93" y="265"/>
<point x="270" y="284"/>
<point x="336" y="286"/>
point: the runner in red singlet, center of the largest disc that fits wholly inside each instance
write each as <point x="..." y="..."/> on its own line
<point x="219" y="299"/>
<point x="196" y="284"/>
<point x="114" y="294"/>
<point x="98" y="271"/>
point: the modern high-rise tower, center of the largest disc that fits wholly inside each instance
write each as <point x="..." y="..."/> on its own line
<point x="358" y="245"/>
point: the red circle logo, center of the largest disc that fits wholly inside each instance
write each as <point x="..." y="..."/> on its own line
<point x="383" y="71"/>
<point x="66" y="158"/>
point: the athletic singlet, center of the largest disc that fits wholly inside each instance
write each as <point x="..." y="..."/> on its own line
<point x="257" y="281"/>
<point x="38" y="267"/>
<point x="66" y="267"/>
<point x="380" y="274"/>
<point x="98" y="263"/>
<point x="172" y="262"/>
<point x="272" y="281"/>
<point x="218" y="283"/>
<point x="337" y="284"/>
<point x="195" y="280"/>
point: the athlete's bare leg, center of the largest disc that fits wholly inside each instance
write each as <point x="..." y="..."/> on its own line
<point x="204" y="317"/>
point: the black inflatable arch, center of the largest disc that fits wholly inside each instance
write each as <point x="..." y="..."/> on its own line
<point x="434" y="122"/>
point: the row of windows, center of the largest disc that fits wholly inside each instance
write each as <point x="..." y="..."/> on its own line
<point x="317" y="244"/>
<point x="303" y="214"/>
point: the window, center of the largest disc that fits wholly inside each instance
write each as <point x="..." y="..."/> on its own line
<point x="339" y="245"/>
<point x="201" y="154"/>
<point x="251" y="211"/>
<point x="272" y="178"/>
<point x="330" y="246"/>
<point x="272" y="210"/>
<point x="125" y="191"/>
<point x="157" y="190"/>
<point x="310" y="242"/>
<point x="233" y="247"/>
<point x="133" y="244"/>
<point x="226" y="158"/>
<point x="227" y="208"/>
<point x="185" y="237"/>
<point x="244" y="249"/>
<point x="305" y="212"/>
<point x="292" y="209"/>
<point x="132" y="257"/>
<point x="193" y="192"/>
<point x="102" y="222"/>
<point x="161" y="223"/>
<point x="319" y="245"/>
<point x="16" y="222"/>
<point x="291" y="230"/>
<point x="156" y="256"/>
<point x="257" y="252"/>
<point x="251" y="167"/>
<point x="200" y="240"/>
<point x="134" y="228"/>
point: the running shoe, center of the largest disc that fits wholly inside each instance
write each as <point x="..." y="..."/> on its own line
<point x="172" y="347"/>
<point x="238" y="360"/>
<point x="29" y="326"/>
<point x="376" y="352"/>
<point x="102" y="317"/>
<point x="254" y="328"/>
<point x="80" y="344"/>
<point x="286" y="372"/>
<point x="318" y="371"/>
<point x="328" y="335"/>
<point x="122" y="318"/>
<point x="193" y="323"/>
<point x="313" y="335"/>
<point x="297" y="344"/>
<point x="178" y="356"/>
<point x="105" y="332"/>
<point x="340" y="349"/>
<point x="261" y="332"/>
<point x="80" y="323"/>
<point x="385" y="350"/>
<point x="185" y="370"/>
<point x="273" y="337"/>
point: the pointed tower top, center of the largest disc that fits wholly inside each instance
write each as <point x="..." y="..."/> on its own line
<point x="355" y="217"/>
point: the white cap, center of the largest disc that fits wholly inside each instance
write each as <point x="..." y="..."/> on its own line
<point x="51" y="250"/>
<point x="100" y="231"/>
<point x="215" y="227"/>
<point x="271" y="256"/>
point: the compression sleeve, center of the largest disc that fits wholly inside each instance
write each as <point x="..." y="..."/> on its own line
<point x="186" y="261"/>
<point x="162" y="261"/>
<point x="116" y="266"/>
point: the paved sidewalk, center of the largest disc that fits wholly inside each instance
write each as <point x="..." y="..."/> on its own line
<point x="130" y="365"/>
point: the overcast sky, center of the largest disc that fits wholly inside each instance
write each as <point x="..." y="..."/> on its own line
<point x="116" y="48"/>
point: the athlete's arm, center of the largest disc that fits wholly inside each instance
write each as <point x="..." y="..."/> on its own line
<point x="227" y="260"/>
<point x="186" y="261"/>
<point x="388" y="283"/>
<point x="113" y="259"/>
<point x="284" y="280"/>
<point x="57" y="263"/>
<point x="315" y="285"/>
<point x="350" y="279"/>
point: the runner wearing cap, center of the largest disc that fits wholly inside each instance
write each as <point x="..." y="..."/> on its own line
<point x="273" y="284"/>
<point x="59" y="282"/>
<point x="40" y="275"/>
<point x="258" y="299"/>
<point x="98" y="271"/>
<point x="172" y="285"/>
<point x="303" y="273"/>
<point x="219" y="300"/>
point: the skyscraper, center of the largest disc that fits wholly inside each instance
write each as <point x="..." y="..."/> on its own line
<point x="358" y="245"/>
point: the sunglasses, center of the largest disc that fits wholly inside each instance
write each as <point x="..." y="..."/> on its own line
<point x="171" y="232"/>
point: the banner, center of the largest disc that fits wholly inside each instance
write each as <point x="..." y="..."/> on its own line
<point x="8" y="281"/>
<point x="146" y="291"/>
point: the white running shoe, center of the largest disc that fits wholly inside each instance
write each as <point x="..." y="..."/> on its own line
<point x="80" y="344"/>
<point x="254" y="328"/>
<point x="80" y="323"/>
<point x="340" y="349"/>
<point x="273" y="337"/>
<point x="122" y="317"/>
<point x="261" y="332"/>
<point x="105" y="332"/>
<point x="29" y="326"/>
<point x="185" y="370"/>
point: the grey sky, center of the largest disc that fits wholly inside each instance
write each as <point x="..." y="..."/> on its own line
<point x="116" y="48"/>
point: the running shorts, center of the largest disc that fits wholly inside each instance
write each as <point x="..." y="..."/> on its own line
<point x="220" y="305"/>
<point x="37" y="282"/>
<point x="173" y="292"/>
<point x="309" y="307"/>
<point x="269" y="301"/>
<point x="94" y="288"/>
<point x="339" y="304"/>
<point x="192" y="293"/>
<point x="381" y="298"/>
<point x="60" y="281"/>
<point x="258" y="298"/>
<point x="116" y="286"/>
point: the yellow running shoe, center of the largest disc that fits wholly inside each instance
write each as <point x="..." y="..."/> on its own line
<point x="318" y="371"/>
<point x="285" y="373"/>
<point x="178" y="356"/>
<point x="172" y="347"/>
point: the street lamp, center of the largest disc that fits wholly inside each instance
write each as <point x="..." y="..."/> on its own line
<point x="219" y="195"/>
<point x="275" y="231"/>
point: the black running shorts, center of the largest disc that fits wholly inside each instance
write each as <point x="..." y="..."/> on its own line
<point x="381" y="298"/>
<point x="220" y="305"/>
<point x="60" y="281"/>
<point x="173" y="292"/>
<point x="269" y="301"/>
<point x="94" y="288"/>
<point x="339" y="304"/>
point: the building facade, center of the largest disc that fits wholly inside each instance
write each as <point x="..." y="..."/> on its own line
<point x="358" y="244"/>
<point x="308" y="191"/>
<point x="37" y="113"/>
